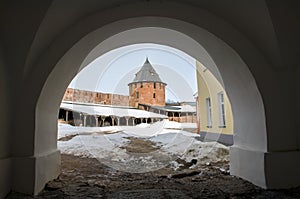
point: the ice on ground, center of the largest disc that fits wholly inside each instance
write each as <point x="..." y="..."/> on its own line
<point x="67" y="129"/>
<point x="109" y="148"/>
<point x="175" y="165"/>
<point x="143" y="125"/>
<point x="206" y="152"/>
<point x="118" y="139"/>
<point x="177" y="125"/>
<point x="143" y="131"/>
<point x="174" y="143"/>
<point x="162" y="127"/>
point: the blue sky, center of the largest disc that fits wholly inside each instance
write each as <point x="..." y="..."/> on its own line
<point x="111" y="72"/>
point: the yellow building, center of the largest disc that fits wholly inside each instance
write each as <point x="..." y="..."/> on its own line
<point x="215" y="121"/>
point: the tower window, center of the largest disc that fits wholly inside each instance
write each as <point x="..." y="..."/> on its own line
<point x="141" y="85"/>
<point x="154" y="84"/>
<point x="153" y="95"/>
<point x="137" y="95"/>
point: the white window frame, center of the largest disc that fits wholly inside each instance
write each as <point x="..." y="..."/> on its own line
<point x="221" y="104"/>
<point x="208" y="113"/>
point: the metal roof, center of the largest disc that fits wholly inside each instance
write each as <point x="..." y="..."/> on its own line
<point x="179" y="109"/>
<point x="147" y="74"/>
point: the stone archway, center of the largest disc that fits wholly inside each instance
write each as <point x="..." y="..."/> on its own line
<point x="249" y="139"/>
<point x="42" y="43"/>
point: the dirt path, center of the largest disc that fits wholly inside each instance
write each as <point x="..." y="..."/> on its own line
<point x="138" y="145"/>
<point x="88" y="178"/>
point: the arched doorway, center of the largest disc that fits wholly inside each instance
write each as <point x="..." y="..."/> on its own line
<point x="46" y="37"/>
<point x="226" y="65"/>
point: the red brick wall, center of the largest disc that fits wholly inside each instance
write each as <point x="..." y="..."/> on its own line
<point x="146" y="91"/>
<point x="83" y="96"/>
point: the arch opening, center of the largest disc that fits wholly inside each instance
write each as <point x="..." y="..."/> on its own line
<point x="225" y="65"/>
<point x="145" y="116"/>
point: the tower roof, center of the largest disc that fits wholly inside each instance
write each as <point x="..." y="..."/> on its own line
<point x="147" y="74"/>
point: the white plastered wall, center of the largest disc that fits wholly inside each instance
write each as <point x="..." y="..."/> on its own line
<point x="213" y="53"/>
<point x="269" y="159"/>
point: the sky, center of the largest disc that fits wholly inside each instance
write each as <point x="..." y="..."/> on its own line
<point x="113" y="71"/>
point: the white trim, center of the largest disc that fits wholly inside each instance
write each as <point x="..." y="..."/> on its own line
<point x="208" y="113"/>
<point x="221" y="105"/>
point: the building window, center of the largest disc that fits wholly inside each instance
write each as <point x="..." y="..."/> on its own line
<point x="154" y="84"/>
<point x="141" y="85"/>
<point x="221" y="110"/>
<point x="137" y="95"/>
<point x="208" y="113"/>
<point x="153" y="95"/>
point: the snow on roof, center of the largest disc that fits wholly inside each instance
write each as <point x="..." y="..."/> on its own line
<point x="181" y="109"/>
<point x="109" y="110"/>
<point x="187" y="108"/>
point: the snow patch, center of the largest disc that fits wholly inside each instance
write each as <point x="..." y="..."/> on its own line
<point x="109" y="147"/>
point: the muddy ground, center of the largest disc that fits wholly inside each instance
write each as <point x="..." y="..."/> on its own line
<point x="88" y="178"/>
<point x="83" y="177"/>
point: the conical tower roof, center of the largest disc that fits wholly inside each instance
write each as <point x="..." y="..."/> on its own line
<point x="147" y="74"/>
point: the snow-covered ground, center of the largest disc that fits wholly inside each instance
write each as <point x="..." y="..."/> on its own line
<point x="107" y="145"/>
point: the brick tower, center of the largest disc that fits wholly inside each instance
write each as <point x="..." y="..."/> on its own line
<point x="147" y="87"/>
